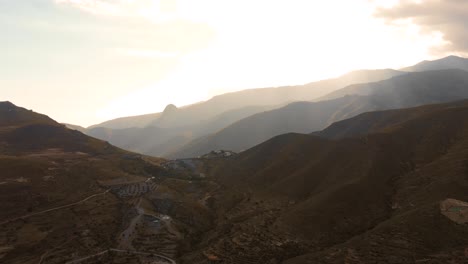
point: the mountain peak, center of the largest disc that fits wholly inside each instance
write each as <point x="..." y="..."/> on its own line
<point x="170" y="108"/>
<point x="7" y="104"/>
<point x="453" y="57"/>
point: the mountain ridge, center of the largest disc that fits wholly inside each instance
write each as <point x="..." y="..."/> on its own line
<point x="407" y="90"/>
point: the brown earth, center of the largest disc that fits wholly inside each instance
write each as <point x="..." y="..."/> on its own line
<point x="372" y="195"/>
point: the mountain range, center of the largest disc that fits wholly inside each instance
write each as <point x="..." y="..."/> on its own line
<point x="163" y="133"/>
<point x="380" y="187"/>
<point x="224" y="121"/>
<point x="407" y="90"/>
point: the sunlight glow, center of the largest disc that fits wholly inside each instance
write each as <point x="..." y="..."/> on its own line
<point x="140" y="55"/>
<point x="272" y="43"/>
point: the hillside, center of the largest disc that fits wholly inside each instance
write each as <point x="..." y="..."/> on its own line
<point x="407" y="90"/>
<point x="15" y="116"/>
<point x="381" y="121"/>
<point x="75" y="127"/>
<point x="67" y="197"/>
<point x="371" y="199"/>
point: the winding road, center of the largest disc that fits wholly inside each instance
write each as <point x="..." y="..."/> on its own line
<point x="54" y="209"/>
<point x="140" y="211"/>
<point x="169" y="260"/>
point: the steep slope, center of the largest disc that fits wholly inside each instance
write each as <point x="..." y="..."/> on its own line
<point x="15" y="116"/>
<point x="450" y="62"/>
<point x="408" y="90"/>
<point x="357" y="200"/>
<point x="75" y="127"/>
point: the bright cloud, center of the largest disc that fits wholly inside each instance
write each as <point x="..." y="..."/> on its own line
<point x="442" y="20"/>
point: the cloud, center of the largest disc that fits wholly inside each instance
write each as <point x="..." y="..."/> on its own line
<point x="449" y="17"/>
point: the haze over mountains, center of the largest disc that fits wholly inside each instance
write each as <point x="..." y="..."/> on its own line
<point x="240" y="120"/>
<point x="252" y="97"/>
<point x="412" y="89"/>
<point x="164" y="133"/>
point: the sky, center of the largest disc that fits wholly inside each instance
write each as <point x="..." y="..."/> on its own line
<point x="87" y="61"/>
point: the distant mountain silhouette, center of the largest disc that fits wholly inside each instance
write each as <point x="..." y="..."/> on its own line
<point x="158" y="141"/>
<point x="193" y="124"/>
<point x="151" y="134"/>
<point x="202" y="111"/>
<point x="277" y="95"/>
<point x="408" y="90"/>
<point x="450" y="62"/>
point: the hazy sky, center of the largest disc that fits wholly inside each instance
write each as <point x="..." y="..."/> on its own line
<point x="86" y="61"/>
